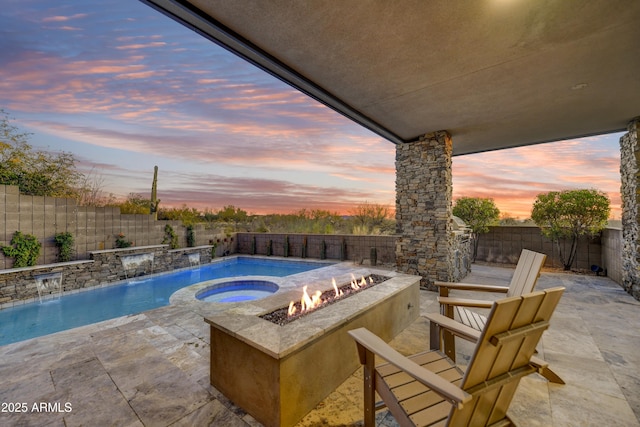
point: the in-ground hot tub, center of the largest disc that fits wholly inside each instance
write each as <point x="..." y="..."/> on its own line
<point x="237" y="290"/>
<point x="280" y="373"/>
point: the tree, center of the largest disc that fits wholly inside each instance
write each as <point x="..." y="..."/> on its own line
<point x="35" y="172"/>
<point x="135" y="204"/>
<point x="232" y="214"/>
<point x="570" y="214"/>
<point x="91" y="191"/>
<point x="370" y="218"/>
<point x="187" y="215"/>
<point x="478" y="214"/>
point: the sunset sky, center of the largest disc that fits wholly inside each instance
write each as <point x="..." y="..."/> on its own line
<point x="124" y="88"/>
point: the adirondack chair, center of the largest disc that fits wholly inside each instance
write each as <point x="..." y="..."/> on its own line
<point x="523" y="281"/>
<point x="429" y="389"/>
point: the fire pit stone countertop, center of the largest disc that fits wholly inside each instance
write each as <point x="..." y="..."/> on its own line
<point x="279" y="373"/>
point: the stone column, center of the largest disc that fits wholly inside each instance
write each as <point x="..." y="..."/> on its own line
<point x="630" y="192"/>
<point x="424" y="208"/>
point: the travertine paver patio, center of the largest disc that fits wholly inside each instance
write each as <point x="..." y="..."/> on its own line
<point x="152" y="369"/>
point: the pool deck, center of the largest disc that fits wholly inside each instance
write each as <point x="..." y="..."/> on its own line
<point x="152" y="369"/>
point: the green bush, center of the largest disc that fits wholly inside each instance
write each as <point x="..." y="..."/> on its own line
<point x="64" y="242"/>
<point x="191" y="236"/>
<point x="170" y="237"/>
<point x="121" y="242"/>
<point x="25" y="250"/>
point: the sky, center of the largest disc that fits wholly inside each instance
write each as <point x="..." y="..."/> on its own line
<point x="124" y="88"/>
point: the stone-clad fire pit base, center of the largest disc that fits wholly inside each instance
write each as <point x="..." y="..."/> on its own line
<point x="280" y="373"/>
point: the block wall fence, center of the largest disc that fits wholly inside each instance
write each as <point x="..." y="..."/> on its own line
<point x="501" y="245"/>
<point x="93" y="228"/>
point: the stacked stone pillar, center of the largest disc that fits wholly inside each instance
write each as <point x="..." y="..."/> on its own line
<point x="425" y="245"/>
<point x="630" y="192"/>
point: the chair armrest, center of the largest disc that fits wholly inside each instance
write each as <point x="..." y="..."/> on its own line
<point x="464" y="302"/>
<point x="472" y="287"/>
<point x="538" y="363"/>
<point x="456" y="328"/>
<point x="377" y="346"/>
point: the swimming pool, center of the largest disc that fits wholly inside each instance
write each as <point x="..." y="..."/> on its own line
<point x="134" y="296"/>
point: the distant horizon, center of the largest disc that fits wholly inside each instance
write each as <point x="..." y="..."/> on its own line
<point x="124" y="88"/>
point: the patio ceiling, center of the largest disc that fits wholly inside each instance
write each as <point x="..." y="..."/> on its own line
<point x="493" y="73"/>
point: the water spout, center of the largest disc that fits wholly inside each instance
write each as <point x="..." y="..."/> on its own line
<point x="194" y="259"/>
<point x="134" y="261"/>
<point x="48" y="284"/>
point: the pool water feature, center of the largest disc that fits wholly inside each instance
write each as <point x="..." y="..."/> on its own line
<point x="237" y="291"/>
<point x="36" y="319"/>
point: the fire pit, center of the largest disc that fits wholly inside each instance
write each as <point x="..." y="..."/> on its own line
<point x="279" y="373"/>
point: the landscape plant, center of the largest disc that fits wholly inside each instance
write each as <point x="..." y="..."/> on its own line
<point x="214" y="247"/>
<point x="371" y="218"/>
<point x="343" y="250"/>
<point x="478" y="214"/>
<point x="64" y="243"/>
<point x="303" y="250"/>
<point x="25" y="248"/>
<point x="191" y="236"/>
<point x="35" y="172"/>
<point x="570" y="214"/>
<point x="170" y="237"/>
<point x="135" y="204"/>
<point x="286" y="246"/>
<point x="154" y="202"/>
<point x="122" y="242"/>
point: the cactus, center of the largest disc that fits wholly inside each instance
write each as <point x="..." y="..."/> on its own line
<point x="269" y="247"/>
<point x="286" y="246"/>
<point x="343" y="250"/>
<point x="304" y="248"/>
<point x="323" y="250"/>
<point x="373" y="256"/>
<point x="253" y="245"/>
<point x="153" y="208"/>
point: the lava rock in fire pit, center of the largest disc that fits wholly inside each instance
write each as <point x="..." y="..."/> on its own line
<point x="281" y="316"/>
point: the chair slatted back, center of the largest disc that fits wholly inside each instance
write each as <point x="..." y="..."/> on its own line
<point x="527" y="272"/>
<point x="502" y="355"/>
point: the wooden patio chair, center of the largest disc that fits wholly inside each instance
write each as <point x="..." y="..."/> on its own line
<point x="429" y="389"/>
<point x="523" y="281"/>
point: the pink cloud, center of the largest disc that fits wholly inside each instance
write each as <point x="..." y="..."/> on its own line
<point x="60" y="18"/>
<point x="141" y="45"/>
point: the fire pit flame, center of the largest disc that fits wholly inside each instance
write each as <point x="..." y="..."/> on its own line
<point x="339" y="292"/>
<point x="354" y="282"/>
<point x="311" y="302"/>
<point x="308" y="303"/>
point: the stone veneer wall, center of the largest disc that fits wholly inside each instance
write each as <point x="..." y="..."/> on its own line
<point x="426" y="241"/>
<point x="18" y="284"/>
<point x="630" y="192"/>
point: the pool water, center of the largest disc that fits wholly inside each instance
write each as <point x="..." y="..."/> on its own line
<point x="134" y="296"/>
